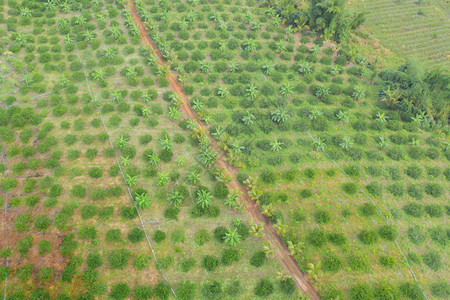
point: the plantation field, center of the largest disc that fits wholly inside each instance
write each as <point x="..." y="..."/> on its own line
<point x="100" y="170"/>
<point x="410" y="27"/>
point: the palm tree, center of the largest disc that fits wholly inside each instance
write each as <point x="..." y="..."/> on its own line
<point x="249" y="45"/>
<point x="343" y="117"/>
<point x="204" y="198"/>
<point x="110" y="52"/>
<point x="116" y="32"/>
<point x="131" y="181"/>
<point x="68" y="40"/>
<point x="218" y="131"/>
<point x="232" y="238"/>
<point x="174" y="113"/>
<point x="358" y="92"/>
<point x="125" y="161"/>
<point x="233" y="66"/>
<point x="222" y="91"/>
<point x="281" y="46"/>
<point x="117" y="97"/>
<point x="267" y="68"/>
<point x="25" y="12"/>
<point x="163" y="178"/>
<point x="89" y="36"/>
<point x="197" y="105"/>
<point x="322" y="91"/>
<point x="381" y="117"/>
<point x="122" y="142"/>
<point x="145" y="111"/>
<point x="205" y="67"/>
<point x="175" y="198"/>
<point x="165" y="143"/>
<point x="346" y="143"/>
<point x="237" y="148"/>
<point x="81" y="20"/>
<point x="193" y="177"/>
<point x="382" y="143"/>
<point x="153" y="159"/>
<point x="276" y="145"/>
<point x="314" y="271"/>
<point x="256" y="229"/>
<point x="98" y="75"/>
<point x="207" y="157"/>
<point x="180" y="160"/>
<point x="276" y="20"/>
<point x="251" y="91"/>
<point x="319" y="144"/>
<point x="279" y="115"/>
<point x="305" y="68"/>
<point x="152" y="59"/>
<point x="248" y="119"/>
<point x="286" y="90"/>
<point x="255" y="26"/>
<point x="142" y="200"/>
<point x="335" y="70"/>
<point x="295" y="249"/>
<point x="270" y="12"/>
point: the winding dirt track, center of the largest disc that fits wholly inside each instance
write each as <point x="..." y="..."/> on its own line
<point x="301" y="279"/>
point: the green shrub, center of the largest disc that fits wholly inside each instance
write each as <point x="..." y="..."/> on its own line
<point x="32" y="200"/>
<point x="396" y="189"/>
<point x="414" y="209"/>
<point x="350" y="188"/>
<point x="172" y="213"/>
<point x="141" y="261"/>
<point x="411" y="290"/>
<point x="159" y="236"/>
<point x="219" y="233"/>
<point x="268" y="177"/>
<point x="95" y="172"/>
<point x="322" y="216"/>
<point x="94" y="260"/>
<point x="212" y="290"/>
<point x="128" y="212"/>
<point x="113" y="235"/>
<point x="87" y="233"/>
<point x="44" y="247"/>
<point x="22" y="222"/>
<point x="88" y="211"/>
<point x="264" y="288"/>
<point x="434" y="210"/>
<point x="375" y="189"/>
<point x="136" y="235"/>
<point x="416" y="235"/>
<point x="413" y="171"/>
<point x="209" y="263"/>
<point x="337" y="238"/>
<point x="387" y="261"/>
<point x="439" y="235"/>
<point x="317" y="237"/>
<point x="440" y="289"/>
<point x="387" y="232"/>
<point x="361" y="291"/>
<point x="120" y="291"/>
<point x="118" y="259"/>
<point x="359" y="262"/>
<point x="162" y="290"/>
<point x="368" y="237"/>
<point x="143" y="292"/>
<point x="433" y="260"/>
<point x="186" y="290"/>
<point x="24" y="272"/>
<point x="78" y="191"/>
<point x="385" y="290"/>
<point x="332" y="263"/>
<point x="367" y="209"/>
<point x="90" y="276"/>
<point x="434" y="189"/>
<point x="45" y="273"/>
<point x="201" y="237"/>
<point x="258" y="259"/>
<point x="25" y="244"/>
<point x="229" y="255"/>
<point x="68" y="245"/>
<point x="187" y="264"/>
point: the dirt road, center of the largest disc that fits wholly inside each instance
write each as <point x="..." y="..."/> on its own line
<point x="281" y="250"/>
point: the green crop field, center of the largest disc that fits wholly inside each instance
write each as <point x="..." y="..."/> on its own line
<point x="211" y="149"/>
<point x="410" y="27"/>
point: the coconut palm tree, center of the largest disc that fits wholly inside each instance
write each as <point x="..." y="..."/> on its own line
<point x="248" y="119"/>
<point x="218" y="131"/>
<point x="249" y="45"/>
<point x="197" y="105"/>
<point x="204" y="198"/>
<point x="233" y="66"/>
<point x="276" y="146"/>
<point x="236" y="147"/>
<point x="279" y="115"/>
<point x="98" y="75"/>
<point x="110" y="52"/>
<point x="267" y="68"/>
<point x="222" y="91"/>
<point x="319" y="144"/>
<point x="314" y="271"/>
<point x="251" y="91"/>
<point x="125" y="161"/>
<point x="89" y="35"/>
<point x="193" y="177"/>
<point x="381" y="117"/>
<point x="153" y="159"/>
<point x="382" y="143"/>
<point x="256" y="229"/>
<point x="286" y="90"/>
<point x="232" y="238"/>
<point x="255" y="26"/>
<point x="122" y="142"/>
<point x="165" y="143"/>
<point x="25" y="12"/>
<point x="163" y="178"/>
<point x="117" y="96"/>
<point x="145" y="111"/>
<point x="358" y="92"/>
<point x="205" y="67"/>
<point x="131" y="181"/>
<point x="281" y="46"/>
<point x="305" y="68"/>
<point x="174" y="113"/>
<point x="207" y="157"/>
<point x="68" y="40"/>
<point x="180" y="160"/>
<point x="346" y="143"/>
<point x="343" y="117"/>
<point x="322" y="91"/>
<point x="175" y="198"/>
<point x="142" y="200"/>
<point x="276" y="20"/>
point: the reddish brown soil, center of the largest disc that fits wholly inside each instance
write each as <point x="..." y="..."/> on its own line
<point x="271" y="235"/>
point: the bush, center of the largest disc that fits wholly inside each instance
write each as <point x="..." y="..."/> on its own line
<point x="317" y="237"/>
<point x="414" y="209"/>
<point x="42" y="222"/>
<point x="186" y="290"/>
<point x="201" y="237"/>
<point x="264" y="288"/>
<point x="359" y="262"/>
<point x="332" y="263"/>
<point x="95" y="172"/>
<point x="159" y="236"/>
<point x="337" y="239"/>
<point x="387" y="261"/>
<point x="416" y="235"/>
<point x="375" y="189"/>
<point x="136" y="235"/>
<point x="434" y="210"/>
<point x="162" y="290"/>
<point x="44" y="247"/>
<point x="87" y="233"/>
<point x="212" y="290"/>
<point x="25" y="244"/>
<point x="258" y="259"/>
<point x="439" y="235"/>
<point x="128" y="212"/>
<point x="411" y="290"/>
<point x="94" y="260"/>
<point x="385" y="290"/>
<point x="268" y="177"/>
<point x="434" y="189"/>
<point x="143" y="292"/>
<point x="229" y="256"/>
<point x="440" y="289"/>
<point x="433" y="260"/>
<point x="209" y="263"/>
<point x="368" y="236"/>
<point x="78" y="191"/>
<point x="141" y="261"/>
<point x="113" y="235"/>
<point x="120" y="291"/>
<point x="367" y="209"/>
<point x="350" y="188"/>
<point x="413" y="171"/>
<point x="415" y="191"/>
<point x="24" y="272"/>
<point x="361" y="291"/>
<point x="187" y="264"/>
<point x="387" y="232"/>
<point x="88" y="211"/>
<point x="118" y="259"/>
<point x="322" y="216"/>
<point x="219" y="233"/>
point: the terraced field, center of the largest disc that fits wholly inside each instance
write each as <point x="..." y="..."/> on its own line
<point x="410" y="27"/>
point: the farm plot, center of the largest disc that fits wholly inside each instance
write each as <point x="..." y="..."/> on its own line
<point x="274" y="100"/>
<point x="72" y="228"/>
<point x="412" y="28"/>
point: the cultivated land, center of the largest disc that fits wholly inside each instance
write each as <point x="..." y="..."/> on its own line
<point x="410" y="27"/>
<point x="254" y="161"/>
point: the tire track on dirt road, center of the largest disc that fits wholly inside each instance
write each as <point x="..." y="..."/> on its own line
<point x="301" y="279"/>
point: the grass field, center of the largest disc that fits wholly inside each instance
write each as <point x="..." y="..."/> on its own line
<point x="410" y="27"/>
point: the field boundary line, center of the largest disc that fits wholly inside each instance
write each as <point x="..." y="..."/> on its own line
<point x="5" y="225"/>
<point x="123" y="176"/>
<point x="381" y="214"/>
